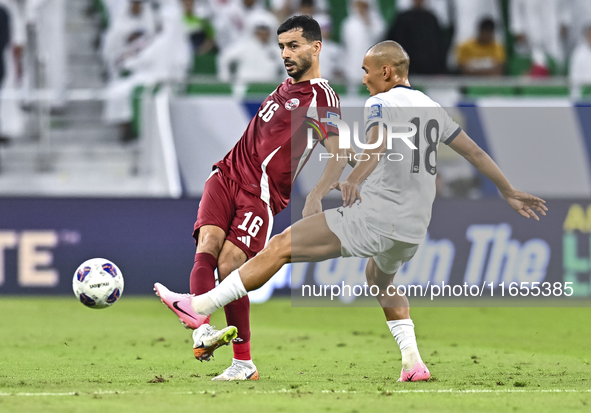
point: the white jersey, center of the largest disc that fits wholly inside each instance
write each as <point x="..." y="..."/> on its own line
<point x="399" y="193"/>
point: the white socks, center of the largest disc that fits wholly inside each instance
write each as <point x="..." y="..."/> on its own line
<point x="227" y="291"/>
<point x="246" y="363"/>
<point x="404" y="333"/>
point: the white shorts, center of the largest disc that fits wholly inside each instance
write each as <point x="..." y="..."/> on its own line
<point x="358" y="240"/>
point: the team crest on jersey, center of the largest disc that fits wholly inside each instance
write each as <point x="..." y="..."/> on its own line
<point x="292" y="104"/>
<point x="375" y="111"/>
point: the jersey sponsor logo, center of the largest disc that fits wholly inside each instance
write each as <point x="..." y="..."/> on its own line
<point x="375" y="111"/>
<point x="245" y="240"/>
<point x="330" y="115"/>
<point x="292" y="104"/>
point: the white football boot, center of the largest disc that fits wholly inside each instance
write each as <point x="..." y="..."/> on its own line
<point x="239" y="370"/>
<point x="207" y="339"/>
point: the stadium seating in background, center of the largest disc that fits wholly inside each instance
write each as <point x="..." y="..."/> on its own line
<point x="517" y="64"/>
<point x="483" y="91"/>
<point x="252" y="90"/>
<point x="263" y="89"/>
<point x="209" y="89"/>
<point x="473" y="92"/>
<point x="550" y="91"/>
<point x="136" y="106"/>
<point x="205" y="64"/>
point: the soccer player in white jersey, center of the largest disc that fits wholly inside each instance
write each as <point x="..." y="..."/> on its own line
<point x="388" y="218"/>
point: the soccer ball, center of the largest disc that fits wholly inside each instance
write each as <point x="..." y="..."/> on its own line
<point x="98" y="283"/>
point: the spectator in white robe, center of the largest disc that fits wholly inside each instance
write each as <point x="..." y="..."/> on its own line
<point x="287" y="8"/>
<point x="332" y="54"/>
<point x="536" y="27"/>
<point x="363" y="27"/>
<point x="46" y="24"/>
<point x="575" y="17"/>
<point x="166" y="59"/>
<point x="580" y="67"/>
<point x="12" y="117"/>
<point x="308" y="8"/>
<point x="256" y="58"/>
<point x="128" y="32"/>
<point x="232" y="18"/>
<point x="114" y="8"/>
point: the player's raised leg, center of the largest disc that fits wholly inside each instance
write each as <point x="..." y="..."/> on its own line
<point x="397" y="311"/>
<point x="308" y="240"/>
<point x="206" y="339"/>
<point x="215" y="214"/>
<point x="209" y="243"/>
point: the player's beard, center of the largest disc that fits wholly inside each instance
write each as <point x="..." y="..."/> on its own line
<point x="299" y="67"/>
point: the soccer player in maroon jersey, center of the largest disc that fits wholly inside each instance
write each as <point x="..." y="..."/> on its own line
<point x="254" y="182"/>
<point x="355" y="229"/>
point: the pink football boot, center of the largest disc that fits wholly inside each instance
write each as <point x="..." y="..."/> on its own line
<point x="181" y="305"/>
<point x="419" y="372"/>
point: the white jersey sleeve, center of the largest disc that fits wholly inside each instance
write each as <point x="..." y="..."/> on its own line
<point x="450" y="128"/>
<point x="375" y="112"/>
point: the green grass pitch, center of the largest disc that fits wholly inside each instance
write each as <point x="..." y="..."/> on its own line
<point x="58" y="356"/>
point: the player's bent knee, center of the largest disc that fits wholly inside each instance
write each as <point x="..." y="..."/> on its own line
<point x="230" y="259"/>
<point x="228" y="264"/>
<point x="211" y="243"/>
<point x="280" y="245"/>
<point x="225" y="269"/>
<point x="375" y="276"/>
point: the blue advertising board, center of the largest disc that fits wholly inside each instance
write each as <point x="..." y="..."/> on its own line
<point x="480" y="243"/>
<point x="42" y="242"/>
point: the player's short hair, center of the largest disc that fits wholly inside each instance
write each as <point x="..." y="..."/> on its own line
<point x="486" y="25"/>
<point x="310" y="27"/>
<point x="391" y="53"/>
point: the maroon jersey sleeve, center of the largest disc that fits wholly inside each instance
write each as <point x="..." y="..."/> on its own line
<point x="328" y="103"/>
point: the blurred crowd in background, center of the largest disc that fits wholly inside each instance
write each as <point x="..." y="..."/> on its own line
<point x="473" y="37"/>
<point x="145" y="42"/>
<point x="75" y="75"/>
<point x="470" y="37"/>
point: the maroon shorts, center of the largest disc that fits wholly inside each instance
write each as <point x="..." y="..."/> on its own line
<point x="246" y="219"/>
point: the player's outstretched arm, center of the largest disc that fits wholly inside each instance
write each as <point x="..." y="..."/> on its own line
<point x="332" y="172"/>
<point x="350" y="187"/>
<point x="523" y="203"/>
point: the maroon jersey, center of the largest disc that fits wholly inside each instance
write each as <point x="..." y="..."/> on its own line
<point x="273" y="149"/>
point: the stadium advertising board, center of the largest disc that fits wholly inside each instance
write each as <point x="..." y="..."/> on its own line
<point x="474" y="250"/>
<point x="43" y="241"/>
<point x="470" y="243"/>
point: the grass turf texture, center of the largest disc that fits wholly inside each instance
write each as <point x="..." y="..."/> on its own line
<point x="136" y="357"/>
